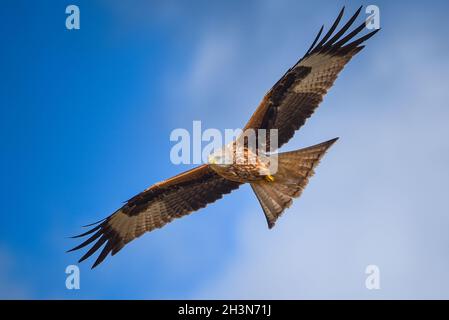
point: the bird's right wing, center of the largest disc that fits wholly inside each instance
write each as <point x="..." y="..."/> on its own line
<point x="298" y="93"/>
<point x="155" y="207"/>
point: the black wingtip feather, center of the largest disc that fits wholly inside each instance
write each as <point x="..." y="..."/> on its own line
<point x="120" y="244"/>
<point x="362" y="39"/>
<point x="87" y="232"/>
<point x="94" y="248"/>
<point x="350" y="35"/>
<point x="337" y="44"/>
<point x="107" y="248"/>
<point x="92" y="224"/>
<point x="88" y="241"/>
<point x="316" y="39"/>
<point x="104" y="234"/>
<point x="343" y="29"/>
<point x="332" y="29"/>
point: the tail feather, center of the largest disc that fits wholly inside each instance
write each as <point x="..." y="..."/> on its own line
<point x="293" y="173"/>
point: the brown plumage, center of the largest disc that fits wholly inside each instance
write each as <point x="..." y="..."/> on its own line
<point x="294" y="98"/>
<point x="294" y="170"/>
<point x="285" y="107"/>
<point x="155" y="207"/>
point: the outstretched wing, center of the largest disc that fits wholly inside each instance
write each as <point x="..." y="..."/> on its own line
<point x="298" y="93"/>
<point x="155" y="207"/>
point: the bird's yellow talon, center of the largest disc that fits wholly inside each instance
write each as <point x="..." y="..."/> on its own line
<point x="269" y="178"/>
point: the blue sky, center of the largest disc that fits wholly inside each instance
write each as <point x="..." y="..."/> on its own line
<point x="86" y="117"/>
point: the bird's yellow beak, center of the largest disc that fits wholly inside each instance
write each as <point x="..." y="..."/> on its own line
<point x="211" y="159"/>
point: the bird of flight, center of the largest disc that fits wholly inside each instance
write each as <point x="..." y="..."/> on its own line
<point x="284" y="108"/>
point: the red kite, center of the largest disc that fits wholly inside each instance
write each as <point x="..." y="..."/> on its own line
<point x="285" y="108"/>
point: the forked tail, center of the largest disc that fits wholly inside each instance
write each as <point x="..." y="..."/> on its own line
<point x="293" y="173"/>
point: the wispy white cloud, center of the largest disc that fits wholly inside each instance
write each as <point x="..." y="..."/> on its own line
<point x="213" y="56"/>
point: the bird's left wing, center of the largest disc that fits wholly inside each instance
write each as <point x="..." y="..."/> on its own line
<point x="155" y="207"/>
<point x="298" y="93"/>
